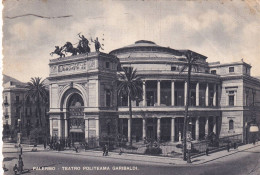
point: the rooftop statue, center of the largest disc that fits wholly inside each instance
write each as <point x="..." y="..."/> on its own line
<point x="58" y="51"/>
<point x="97" y="44"/>
<point x="68" y="47"/>
<point x="83" y="45"/>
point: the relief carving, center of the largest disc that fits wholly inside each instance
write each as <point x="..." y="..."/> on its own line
<point x="91" y="64"/>
<point x="72" y="67"/>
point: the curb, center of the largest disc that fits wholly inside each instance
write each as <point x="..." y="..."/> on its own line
<point x="227" y="155"/>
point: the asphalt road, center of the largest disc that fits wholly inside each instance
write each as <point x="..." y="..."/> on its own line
<point x="241" y="163"/>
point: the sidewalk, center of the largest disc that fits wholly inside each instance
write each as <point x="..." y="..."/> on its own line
<point x="145" y="158"/>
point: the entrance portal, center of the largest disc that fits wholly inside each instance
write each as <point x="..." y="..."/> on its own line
<point x="76" y="118"/>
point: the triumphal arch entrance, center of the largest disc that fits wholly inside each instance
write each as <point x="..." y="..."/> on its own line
<point x="83" y="97"/>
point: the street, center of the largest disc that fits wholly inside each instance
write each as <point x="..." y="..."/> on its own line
<point x="53" y="162"/>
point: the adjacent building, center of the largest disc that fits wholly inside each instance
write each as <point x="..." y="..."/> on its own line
<point x="19" y="112"/>
<point x="84" y="104"/>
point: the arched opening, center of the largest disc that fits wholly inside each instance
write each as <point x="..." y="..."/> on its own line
<point x="75" y="108"/>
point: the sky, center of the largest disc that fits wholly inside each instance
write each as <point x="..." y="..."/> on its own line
<point x="224" y="31"/>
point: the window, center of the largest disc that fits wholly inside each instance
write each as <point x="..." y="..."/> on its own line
<point x="231" y="98"/>
<point x="107" y="65"/>
<point x="231" y="69"/>
<point x="108" y="98"/>
<point x="173" y="68"/>
<point x="231" y="124"/>
<point x="213" y="72"/>
<point x="17" y="99"/>
<point x="247" y="98"/>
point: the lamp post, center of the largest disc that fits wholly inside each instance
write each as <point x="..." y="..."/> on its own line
<point x="19" y="133"/>
<point x="189" y="144"/>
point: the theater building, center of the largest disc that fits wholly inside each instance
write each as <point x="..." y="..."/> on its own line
<point x="84" y="102"/>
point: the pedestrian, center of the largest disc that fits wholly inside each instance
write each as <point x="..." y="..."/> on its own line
<point x="235" y="145"/>
<point x="228" y="147"/>
<point x="104" y="150"/>
<point x="207" y="151"/>
<point x="44" y="145"/>
<point x="20" y="163"/>
<point x="76" y="149"/>
<point x="15" y="169"/>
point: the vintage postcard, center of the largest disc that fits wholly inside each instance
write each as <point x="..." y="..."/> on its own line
<point x="130" y="87"/>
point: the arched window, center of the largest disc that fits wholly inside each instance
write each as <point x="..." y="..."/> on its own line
<point x="231" y="124"/>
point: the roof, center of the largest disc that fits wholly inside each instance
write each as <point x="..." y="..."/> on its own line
<point x="149" y="49"/>
<point x="7" y="78"/>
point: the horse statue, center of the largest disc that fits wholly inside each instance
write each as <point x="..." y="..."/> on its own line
<point x="68" y="47"/>
<point x="83" y="45"/>
<point x="83" y="48"/>
<point x="58" y="51"/>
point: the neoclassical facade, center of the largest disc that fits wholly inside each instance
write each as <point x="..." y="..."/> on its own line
<point x="84" y="102"/>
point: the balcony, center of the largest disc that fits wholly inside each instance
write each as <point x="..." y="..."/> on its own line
<point x="6" y="103"/>
<point x="6" y="116"/>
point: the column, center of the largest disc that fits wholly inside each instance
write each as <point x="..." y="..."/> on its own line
<point x="215" y="125"/>
<point x="215" y="95"/>
<point x="185" y="92"/>
<point x="121" y="125"/>
<point x="172" y="129"/>
<point x="51" y="128"/>
<point x="129" y="129"/>
<point x="97" y="128"/>
<point x="172" y="93"/>
<point x="206" y="126"/>
<point x="144" y="93"/>
<point x="50" y="95"/>
<point x="197" y="94"/>
<point x="66" y="128"/>
<point x="86" y="129"/>
<point x="197" y="129"/>
<point x="159" y="93"/>
<point x="97" y="93"/>
<point x="158" y="128"/>
<point x="60" y="128"/>
<point x="144" y="128"/>
<point x="207" y="95"/>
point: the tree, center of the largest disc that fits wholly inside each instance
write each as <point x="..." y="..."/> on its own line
<point x="190" y="63"/>
<point x="130" y="84"/>
<point x="38" y="94"/>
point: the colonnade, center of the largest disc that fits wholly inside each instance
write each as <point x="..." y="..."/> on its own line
<point x="144" y="102"/>
<point x="173" y="134"/>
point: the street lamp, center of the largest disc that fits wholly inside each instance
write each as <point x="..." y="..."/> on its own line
<point x="19" y="134"/>
<point x="188" y="136"/>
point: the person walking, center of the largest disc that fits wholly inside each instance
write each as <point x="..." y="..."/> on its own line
<point x="15" y="169"/>
<point x="104" y="150"/>
<point x="20" y="163"/>
<point x="207" y="151"/>
<point x="228" y="147"/>
<point x="235" y="145"/>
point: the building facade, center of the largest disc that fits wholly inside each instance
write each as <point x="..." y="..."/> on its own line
<point x="19" y="111"/>
<point x="84" y="103"/>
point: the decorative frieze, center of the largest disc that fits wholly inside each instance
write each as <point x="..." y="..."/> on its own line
<point x="72" y="67"/>
<point x="53" y="69"/>
<point x="91" y="64"/>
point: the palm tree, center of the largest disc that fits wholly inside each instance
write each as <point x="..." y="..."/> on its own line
<point x="38" y="93"/>
<point x="190" y="64"/>
<point x="130" y="84"/>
